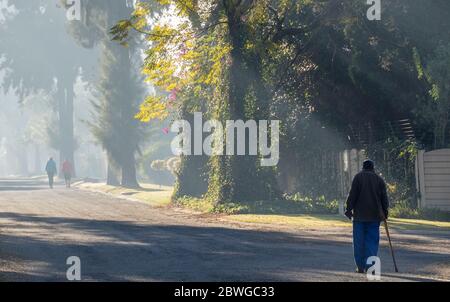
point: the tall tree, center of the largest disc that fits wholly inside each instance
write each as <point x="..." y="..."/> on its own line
<point x="321" y="67"/>
<point x="47" y="68"/>
<point x="211" y="46"/>
<point x="115" y="127"/>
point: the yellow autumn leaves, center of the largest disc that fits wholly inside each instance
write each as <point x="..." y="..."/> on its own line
<point x="179" y="57"/>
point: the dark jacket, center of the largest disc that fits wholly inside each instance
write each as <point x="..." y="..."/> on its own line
<point x="50" y="168"/>
<point x="368" y="197"/>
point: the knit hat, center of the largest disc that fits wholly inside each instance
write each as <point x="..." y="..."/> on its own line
<point x="368" y="165"/>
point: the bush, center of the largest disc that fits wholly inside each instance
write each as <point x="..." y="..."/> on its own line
<point x="403" y="210"/>
<point x="206" y="206"/>
<point x="291" y="204"/>
<point x="317" y="205"/>
<point x="298" y="204"/>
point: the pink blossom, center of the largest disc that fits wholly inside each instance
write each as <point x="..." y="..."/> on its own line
<point x="173" y="95"/>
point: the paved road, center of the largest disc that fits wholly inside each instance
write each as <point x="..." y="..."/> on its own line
<point x="123" y="240"/>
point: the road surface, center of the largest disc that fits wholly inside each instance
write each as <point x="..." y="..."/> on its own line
<point x="124" y="240"/>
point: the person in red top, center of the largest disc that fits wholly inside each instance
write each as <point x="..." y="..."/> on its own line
<point x="67" y="170"/>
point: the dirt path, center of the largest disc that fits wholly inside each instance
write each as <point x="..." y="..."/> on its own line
<point x="122" y="240"/>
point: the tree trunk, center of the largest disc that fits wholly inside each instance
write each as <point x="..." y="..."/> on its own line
<point x="192" y="173"/>
<point x="61" y="95"/>
<point x="37" y="160"/>
<point x="22" y="160"/>
<point x="129" y="179"/>
<point x="236" y="178"/>
<point x="112" y="177"/>
<point x="128" y="123"/>
<point x="66" y="131"/>
<point x="70" y="140"/>
<point x="120" y="105"/>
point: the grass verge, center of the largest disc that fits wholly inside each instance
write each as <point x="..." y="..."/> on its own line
<point x="302" y="214"/>
<point x="153" y="195"/>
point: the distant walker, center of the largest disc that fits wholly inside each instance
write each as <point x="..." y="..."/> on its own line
<point x="50" y="168"/>
<point x="67" y="170"/>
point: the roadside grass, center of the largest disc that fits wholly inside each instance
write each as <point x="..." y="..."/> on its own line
<point x="302" y="214"/>
<point x="313" y="221"/>
<point x="417" y="224"/>
<point x="154" y="195"/>
<point x="402" y="210"/>
<point x="298" y="214"/>
<point x="301" y="221"/>
<point x="279" y="207"/>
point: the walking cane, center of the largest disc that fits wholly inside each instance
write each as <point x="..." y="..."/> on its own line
<point x="380" y="208"/>
<point x="390" y="245"/>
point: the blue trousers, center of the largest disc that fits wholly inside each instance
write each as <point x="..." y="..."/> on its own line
<point x="366" y="240"/>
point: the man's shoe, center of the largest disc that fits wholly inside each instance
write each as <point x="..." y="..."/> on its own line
<point x="360" y="271"/>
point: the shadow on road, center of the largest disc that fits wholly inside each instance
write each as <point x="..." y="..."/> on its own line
<point x="22" y="185"/>
<point x="20" y="188"/>
<point x="122" y="251"/>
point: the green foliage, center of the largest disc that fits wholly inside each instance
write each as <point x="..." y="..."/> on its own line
<point x="118" y="89"/>
<point x="152" y="108"/>
<point x="206" y="206"/>
<point x="418" y="63"/>
<point x="158" y="165"/>
<point x="291" y="204"/>
<point x="208" y="53"/>
<point x="191" y="177"/>
<point x="115" y="127"/>
<point x="31" y="66"/>
<point x="318" y="205"/>
<point x="171" y="165"/>
<point x="395" y="161"/>
<point x="404" y="210"/>
<point x="154" y="147"/>
<point x="319" y="66"/>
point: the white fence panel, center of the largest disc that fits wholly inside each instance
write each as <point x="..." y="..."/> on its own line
<point x="433" y="178"/>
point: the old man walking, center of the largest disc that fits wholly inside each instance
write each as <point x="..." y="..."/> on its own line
<point x="368" y="205"/>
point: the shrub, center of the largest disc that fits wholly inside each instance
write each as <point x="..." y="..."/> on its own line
<point x="404" y="210"/>
<point x="317" y="205"/>
<point x="206" y="206"/>
<point x="291" y="204"/>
